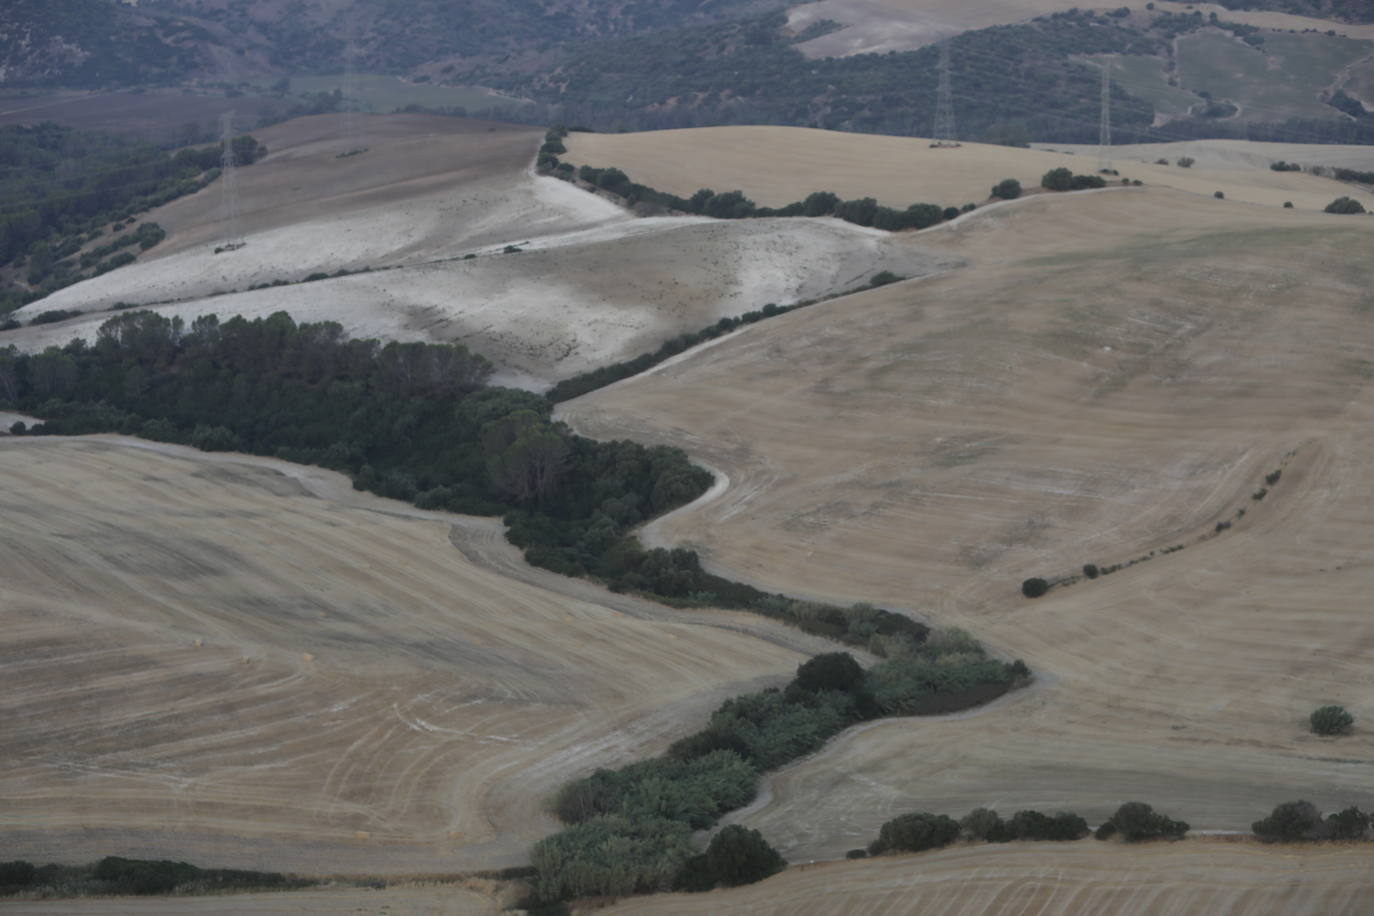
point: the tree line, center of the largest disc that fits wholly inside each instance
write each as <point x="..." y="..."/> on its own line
<point x="59" y="187"/>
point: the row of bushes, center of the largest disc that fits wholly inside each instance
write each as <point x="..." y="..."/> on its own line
<point x="864" y="211"/>
<point x="1036" y="586"/>
<point x="118" y="875"/>
<point x="631" y="827"/>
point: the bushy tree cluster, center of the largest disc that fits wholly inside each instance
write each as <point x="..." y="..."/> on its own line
<point x="1301" y="821"/>
<point x="715" y="770"/>
<point x="1063" y="179"/>
<point x="1137" y="822"/>
<point x="120" y="875"/>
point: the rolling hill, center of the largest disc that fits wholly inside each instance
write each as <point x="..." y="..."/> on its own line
<point x="239" y="660"/>
<point x="1113" y="374"/>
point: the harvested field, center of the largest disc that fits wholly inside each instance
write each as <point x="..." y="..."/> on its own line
<point x="879" y="26"/>
<point x="421" y="900"/>
<point x="1113" y="374"/>
<point x="1058" y="879"/>
<point x="592" y="286"/>
<point x="245" y="663"/>
<point x="777" y="165"/>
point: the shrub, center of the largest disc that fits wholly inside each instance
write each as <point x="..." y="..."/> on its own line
<point x="983" y="825"/>
<point x="53" y="316"/>
<point x="1034" y="587"/>
<point x="1186" y="162"/>
<point x="610" y="856"/>
<point x="1273" y="477"/>
<point x="820" y="203"/>
<point x="1091" y="571"/>
<point x="1138" y="822"/>
<point x="17" y="873"/>
<point x="1289" y="823"/>
<point x="1350" y="824"/>
<point x="1033" y="825"/>
<point x="1007" y="189"/>
<point x="738" y="855"/>
<point x="1344" y="205"/>
<point x="1288" y="205"/>
<point x="1219" y="195"/>
<point x="884" y="278"/>
<point x="830" y="671"/>
<point x="1060" y="179"/>
<point x="856" y="854"/>
<point x="18" y="428"/>
<point x="1331" y="720"/>
<point x="914" y="833"/>
<point x="1106" y="830"/>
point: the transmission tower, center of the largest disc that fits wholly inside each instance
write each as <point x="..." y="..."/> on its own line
<point x="229" y="188"/>
<point x="1104" y="138"/>
<point x="944" y="104"/>
<point x="351" y="103"/>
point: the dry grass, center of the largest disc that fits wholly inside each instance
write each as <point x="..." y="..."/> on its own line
<point x="593" y="285"/>
<point x="1114" y="373"/>
<point x="245" y="663"/>
<point x="777" y="165"/>
<point x="1055" y="879"/>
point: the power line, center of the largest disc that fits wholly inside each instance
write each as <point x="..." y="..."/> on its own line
<point x="944" y="133"/>
<point x="229" y="188"/>
<point x="1104" y="134"/>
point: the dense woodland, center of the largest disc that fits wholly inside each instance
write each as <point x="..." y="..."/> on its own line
<point x="60" y="188"/>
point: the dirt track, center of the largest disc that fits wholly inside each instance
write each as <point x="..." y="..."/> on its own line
<point x="245" y="663"/>
<point x="1099" y="383"/>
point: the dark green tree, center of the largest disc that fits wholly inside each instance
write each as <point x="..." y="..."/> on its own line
<point x="914" y="833"/>
<point x="738" y="855"/>
<point x="1290" y="822"/>
<point x="1331" y="720"/>
<point x="1007" y="189"/>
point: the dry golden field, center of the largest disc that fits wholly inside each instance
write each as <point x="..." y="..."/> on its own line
<point x="777" y="165"/>
<point x="1190" y="878"/>
<point x="430" y="207"/>
<point x="244" y="663"/>
<point x="1112" y="374"/>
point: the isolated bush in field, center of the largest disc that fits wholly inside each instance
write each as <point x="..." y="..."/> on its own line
<point x="1034" y="587"/>
<point x="738" y="855"/>
<point x="856" y="854"/>
<point x="1219" y="195"/>
<point x="830" y="671"/>
<point x="1091" y="571"/>
<point x="1344" y="205"/>
<point x="1289" y="823"/>
<point x="1186" y="162"/>
<point x="1138" y="821"/>
<point x="1331" y="720"/>
<point x="914" y="833"/>
<point x="1288" y="205"/>
<point x="1273" y="477"/>
<point x="884" y="278"/>
<point x="1007" y="189"/>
